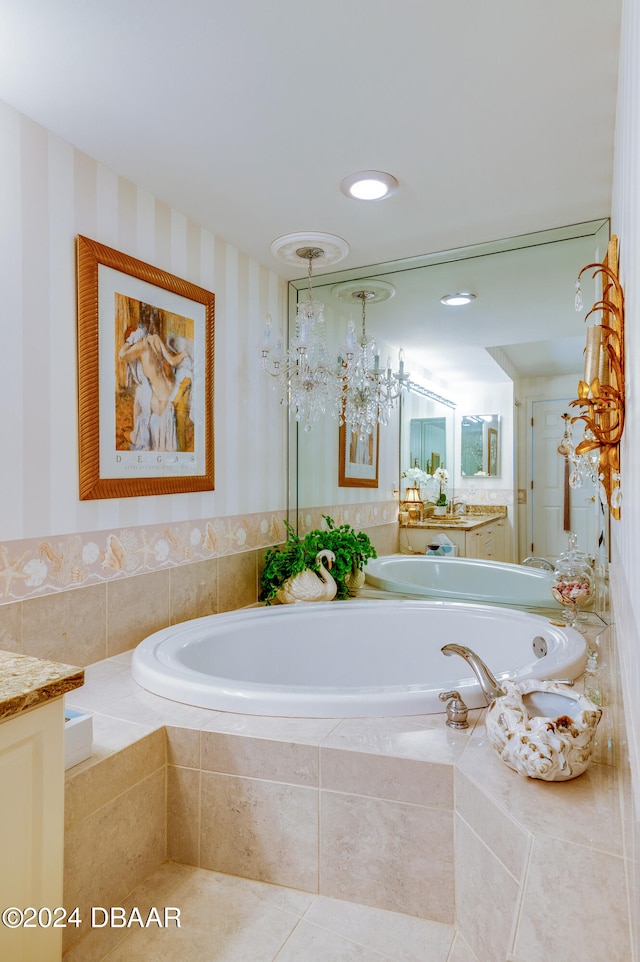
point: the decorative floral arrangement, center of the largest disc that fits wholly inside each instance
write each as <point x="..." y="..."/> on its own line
<point x="416" y="476"/>
<point x="441" y="475"/>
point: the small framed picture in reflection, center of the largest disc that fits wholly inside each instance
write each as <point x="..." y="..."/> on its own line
<point x="358" y="458"/>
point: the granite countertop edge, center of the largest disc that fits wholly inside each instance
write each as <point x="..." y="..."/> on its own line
<point x="464" y="523"/>
<point x="27" y="682"/>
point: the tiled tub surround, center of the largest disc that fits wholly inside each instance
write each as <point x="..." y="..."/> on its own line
<point x="87" y="624"/>
<point x="402" y="815"/>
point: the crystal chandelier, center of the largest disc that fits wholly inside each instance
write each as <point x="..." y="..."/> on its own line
<point x="309" y="386"/>
<point x="351" y="388"/>
<point x="369" y="392"/>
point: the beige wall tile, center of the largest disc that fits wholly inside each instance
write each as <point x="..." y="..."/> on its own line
<point x="387" y="854"/>
<point x="136" y="607"/>
<point x="237" y="580"/>
<point x="309" y="731"/>
<point x="105" y="684"/>
<point x="402" y="779"/>
<point x="109" y="735"/>
<point x="460" y="952"/>
<point x="261" y="830"/>
<point x="93" y="787"/>
<point x="384" y="538"/>
<point x="486" y="897"/>
<point x="115" y="848"/>
<point x="194" y="590"/>
<point x="11" y="627"/>
<point x="280" y="761"/>
<point x="571" y="909"/>
<point x="423" y="737"/>
<point x="183" y="747"/>
<point x="183" y="815"/>
<point x="506" y="839"/>
<point x="69" y="626"/>
<point x="542" y="807"/>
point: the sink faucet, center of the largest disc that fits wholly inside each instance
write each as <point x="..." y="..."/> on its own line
<point x="490" y="687"/>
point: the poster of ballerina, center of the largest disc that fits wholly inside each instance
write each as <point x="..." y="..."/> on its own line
<point x="145" y="366"/>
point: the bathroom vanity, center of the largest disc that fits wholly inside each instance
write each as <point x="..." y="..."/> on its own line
<point x="475" y="535"/>
<point x="32" y="803"/>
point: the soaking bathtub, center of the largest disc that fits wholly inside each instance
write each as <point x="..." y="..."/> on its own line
<point x="345" y="659"/>
<point x="467" y="579"/>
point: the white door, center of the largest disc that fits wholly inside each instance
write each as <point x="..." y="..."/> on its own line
<point x="548" y="493"/>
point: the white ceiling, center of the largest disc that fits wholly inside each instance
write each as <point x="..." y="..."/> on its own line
<point x="497" y="118"/>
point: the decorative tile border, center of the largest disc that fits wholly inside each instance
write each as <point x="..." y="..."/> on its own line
<point x="365" y="515"/>
<point x="38" y="566"/>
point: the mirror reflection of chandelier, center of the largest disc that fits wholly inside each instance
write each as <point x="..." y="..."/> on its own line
<point x="369" y="391"/>
<point x="352" y="388"/>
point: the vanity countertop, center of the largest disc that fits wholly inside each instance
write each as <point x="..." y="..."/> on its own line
<point x="458" y="522"/>
<point x="27" y="682"/>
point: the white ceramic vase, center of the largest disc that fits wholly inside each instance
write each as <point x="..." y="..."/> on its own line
<point x="354" y="581"/>
<point x="440" y="510"/>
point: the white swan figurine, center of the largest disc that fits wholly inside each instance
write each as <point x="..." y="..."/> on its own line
<point x="307" y="586"/>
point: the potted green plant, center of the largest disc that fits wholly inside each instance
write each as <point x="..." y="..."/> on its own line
<point x="351" y="550"/>
<point x="281" y="563"/>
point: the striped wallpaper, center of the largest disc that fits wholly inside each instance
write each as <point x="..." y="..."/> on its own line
<point x="50" y="192"/>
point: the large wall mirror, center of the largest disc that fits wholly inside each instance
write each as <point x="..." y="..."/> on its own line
<point x="522" y="324"/>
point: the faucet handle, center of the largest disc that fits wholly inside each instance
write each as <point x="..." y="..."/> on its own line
<point x="457" y="711"/>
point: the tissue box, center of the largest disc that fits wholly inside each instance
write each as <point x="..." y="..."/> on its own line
<point x="442" y="547"/>
<point x="78" y="737"/>
<point x="442" y="550"/>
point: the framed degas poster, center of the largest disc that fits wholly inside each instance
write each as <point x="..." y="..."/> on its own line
<point x="145" y="378"/>
<point x="358" y="458"/>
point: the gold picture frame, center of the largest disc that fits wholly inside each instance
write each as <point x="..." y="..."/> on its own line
<point x="145" y="378"/>
<point x="358" y="459"/>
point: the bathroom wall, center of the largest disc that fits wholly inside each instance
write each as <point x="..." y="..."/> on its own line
<point x="81" y="580"/>
<point x="625" y="534"/>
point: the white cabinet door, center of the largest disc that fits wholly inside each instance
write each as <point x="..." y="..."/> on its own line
<point x="32" y="828"/>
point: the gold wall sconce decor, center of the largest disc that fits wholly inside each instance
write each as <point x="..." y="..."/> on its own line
<point x="601" y="392"/>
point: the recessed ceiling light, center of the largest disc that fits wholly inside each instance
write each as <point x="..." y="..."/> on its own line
<point x="457" y="300"/>
<point x="369" y="185"/>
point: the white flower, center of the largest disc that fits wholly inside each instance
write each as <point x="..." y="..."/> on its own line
<point x="416" y="476"/>
<point x="442" y="475"/>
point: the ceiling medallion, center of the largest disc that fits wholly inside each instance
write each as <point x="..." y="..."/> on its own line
<point x="332" y="249"/>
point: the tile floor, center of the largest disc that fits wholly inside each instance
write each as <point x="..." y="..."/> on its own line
<point x="229" y="919"/>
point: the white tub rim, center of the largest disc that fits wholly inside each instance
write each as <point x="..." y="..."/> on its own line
<point x="192" y="687"/>
<point x="374" y="577"/>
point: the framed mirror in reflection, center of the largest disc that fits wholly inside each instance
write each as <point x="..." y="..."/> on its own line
<point x="480" y="446"/>
<point x="428" y="443"/>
